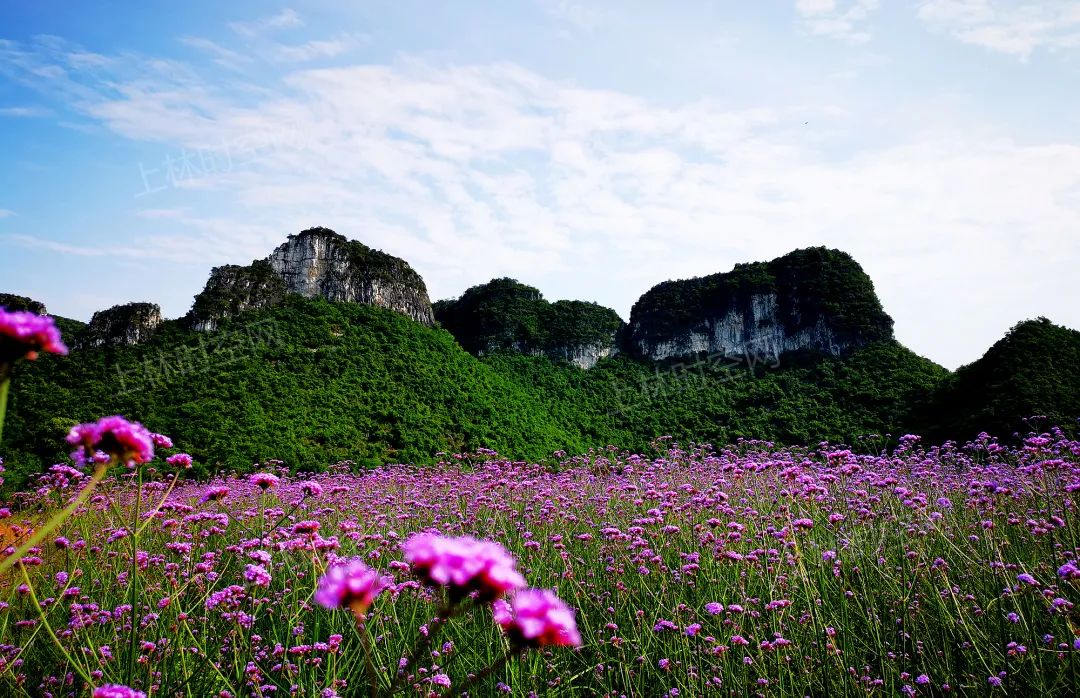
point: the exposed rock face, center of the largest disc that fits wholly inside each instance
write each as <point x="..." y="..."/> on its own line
<point x="814" y="299"/>
<point x="233" y="289"/>
<point x="504" y="314"/>
<point x="10" y="301"/>
<point x="316" y="262"/>
<point x="121" y="325"/>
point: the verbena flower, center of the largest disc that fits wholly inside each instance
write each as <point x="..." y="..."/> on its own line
<point x="212" y="494"/>
<point x="182" y="460"/>
<point x="257" y="575"/>
<point x="537" y="618"/>
<point x="350" y="584"/>
<point x="161" y="441"/>
<point x="463" y="565"/>
<point x="127" y="442"/>
<point x="24" y="334"/>
<point x="112" y="690"/>
<point x="265" y="480"/>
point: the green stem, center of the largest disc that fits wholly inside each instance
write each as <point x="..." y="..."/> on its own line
<point x="48" y="628"/>
<point x="5" y="385"/>
<point x="132" y="599"/>
<point x="369" y="660"/>
<point x="51" y="524"/>
<point x="495" y="666"/>
<point x="444" y="614"/>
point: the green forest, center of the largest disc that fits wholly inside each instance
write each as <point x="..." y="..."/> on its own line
<point x="312" y="382"/>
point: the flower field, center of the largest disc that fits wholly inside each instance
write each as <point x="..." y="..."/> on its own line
<point x="747" y="570"/>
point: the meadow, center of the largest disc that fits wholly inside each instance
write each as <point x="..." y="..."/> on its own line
<point x="747" y="570"/>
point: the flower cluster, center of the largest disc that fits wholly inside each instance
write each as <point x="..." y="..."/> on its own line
<point x="463" y="565"/>
<point x="122" y="441"/>
<point x="24" y="334"/>
<point x="352" y="585"/>
<point x="112" y="690"/>
<point x="537" y="618"/>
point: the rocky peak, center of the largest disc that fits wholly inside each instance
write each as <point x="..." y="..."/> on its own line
<point x="814" y="299"/>
<point x="10" y="301"/>
<point x="120" y="325"/>
<point x="314" y="263"/>
<point x="504" y="314"/>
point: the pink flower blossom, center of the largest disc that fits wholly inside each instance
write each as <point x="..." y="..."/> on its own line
<point x="212" y="494"/>
<point x="352" y="585"/>
<point x="128" y="442"/>
<point x="257" y="575"/>
<point x="182" y="460"/>
<point x="23" y="334"/>
<point x="463" y="565"/>
<point x="537" y="618"/>
<point x="112" y="690"/>
<point x="265" y="480"/>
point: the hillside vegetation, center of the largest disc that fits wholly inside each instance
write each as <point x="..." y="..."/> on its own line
<point x="312" y="382"/>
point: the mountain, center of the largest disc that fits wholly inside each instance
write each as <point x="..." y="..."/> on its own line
<point x="505" y="314"/>
<point x="126" y="324"/>
<point x="328" y="350"/>
<point x="1033" y="371"/>
<point x="11" y="301"/>
<point x="813" y="299"/>
<point x="317" y="262"/>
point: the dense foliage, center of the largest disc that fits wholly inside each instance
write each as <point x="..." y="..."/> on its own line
<point x="233" y="289"/>
<point x="505" y="313"/>
<point x="311" y="382"/>
<point x="1033" y="371"/>
<point x="809" y="284"/>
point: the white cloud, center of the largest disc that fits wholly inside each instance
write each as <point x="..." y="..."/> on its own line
<point x="578" y="15"/>
<point x="315" y="49"/>
<point x="23" y="112"/>
<point x="226" y="58"/>
<point x="471" y="172"/>
<point x="846" y="22"/>
<point x="286" y="19"/>
<point x="1007" y="26"/>
<point x="6" y="213"/>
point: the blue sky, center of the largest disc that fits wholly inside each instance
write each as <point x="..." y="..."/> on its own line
<point x="592" y="149"/>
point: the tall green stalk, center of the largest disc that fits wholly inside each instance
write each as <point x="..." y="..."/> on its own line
<point x="133" y="599"/>
<point x="5" y="386"/>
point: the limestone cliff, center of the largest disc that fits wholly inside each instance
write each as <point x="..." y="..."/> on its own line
<point x="504" y="314"/>
<point x="809" y="300"/>
<point x="120" y="325"/>
<point x="315" y="262"/>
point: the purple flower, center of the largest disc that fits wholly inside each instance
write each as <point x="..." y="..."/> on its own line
<point x="440" y="680"/>
<point x="23" y="334"/>
<point x="1026" y="579"/>
<point x="161" y="441"/>
<point x="537" y="618"/>
<point x="112" y="690"/>
<point x="182" y="460"/>
<point x="264" y="480"/>
<point x="352" y="585"/>
<point x="463" y="565"/>
<point x="714" y="609"/>
<point x="257" y="575"/>
<point x="212" y="494"/>
<point x="1069" y="571"/>
<point x="127" y="442"/>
